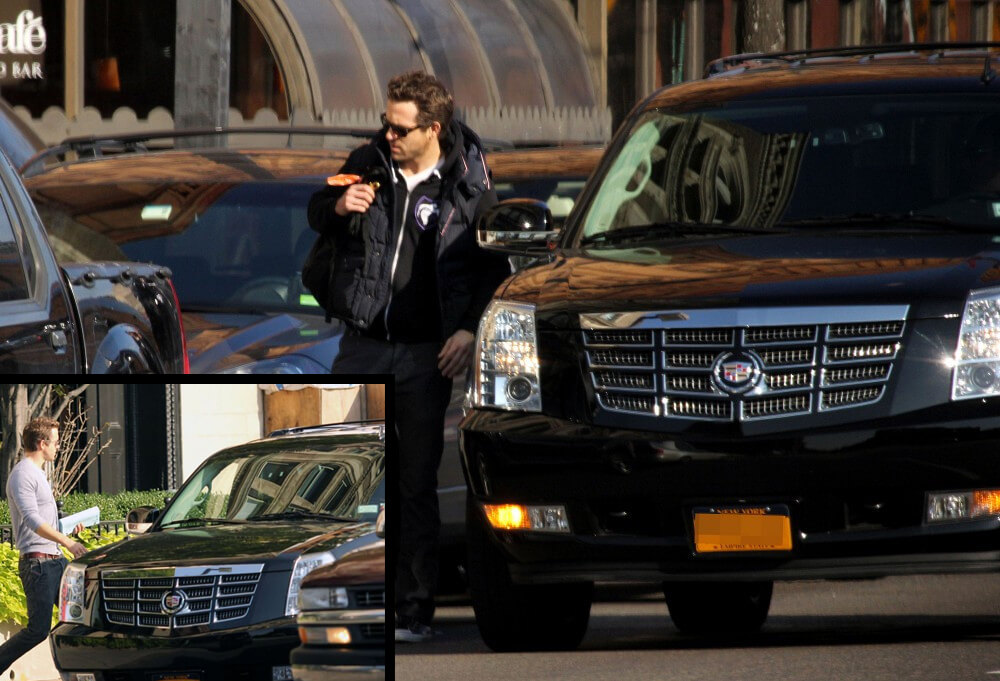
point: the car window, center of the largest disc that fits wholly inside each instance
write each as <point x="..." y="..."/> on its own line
<point x="559" y="193"/>
<point x="230" y="247"/>
<point x="13" y="283"/>
<point x="781" y="162"/>
<point x="345" y="482"/>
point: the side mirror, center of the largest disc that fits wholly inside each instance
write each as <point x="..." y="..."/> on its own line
<point x="139" y="520"/>
<point x="380" y="524"/>
<point x="518" y="226"/>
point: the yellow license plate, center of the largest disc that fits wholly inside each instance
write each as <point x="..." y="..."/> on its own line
<point x="742" y="528"/>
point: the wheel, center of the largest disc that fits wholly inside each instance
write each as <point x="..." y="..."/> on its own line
<point x="725" y="608"/>
<point x="513" y="617"/>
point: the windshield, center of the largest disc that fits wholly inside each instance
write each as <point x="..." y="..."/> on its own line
<point x="231" y="247"/>
<point x="872" y="162"/>
<point x="345" y="483"/>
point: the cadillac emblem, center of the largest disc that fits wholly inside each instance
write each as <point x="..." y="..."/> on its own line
<point x="737" y="372"/>
<point x="173" y="602"/>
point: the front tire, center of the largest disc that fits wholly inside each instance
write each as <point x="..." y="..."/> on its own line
<point x="518" y="617"/>
<point x="712" y="609"/>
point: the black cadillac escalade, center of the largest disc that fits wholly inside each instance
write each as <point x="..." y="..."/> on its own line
<point x="766" y="346"/>
<point x="210" y="592"/>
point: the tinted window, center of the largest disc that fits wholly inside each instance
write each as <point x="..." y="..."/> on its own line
<point x="779" y="163"/>
<point x="13" y="285"/>
<point x="232" y="248"/>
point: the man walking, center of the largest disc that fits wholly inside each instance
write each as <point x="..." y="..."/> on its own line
<point x="411" y="282"/>
<point x="34" y="517"/>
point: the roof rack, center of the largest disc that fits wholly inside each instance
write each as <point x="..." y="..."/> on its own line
<point x="723" y="64"/>
<point x="95" y="145"/>
<point x="333" y="427"/>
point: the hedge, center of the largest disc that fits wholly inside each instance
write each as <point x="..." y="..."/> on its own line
<point x="113" y="507"/>
<point x="13" y="607"/>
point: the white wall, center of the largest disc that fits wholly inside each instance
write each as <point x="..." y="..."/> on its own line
<point x="217" y="416"/>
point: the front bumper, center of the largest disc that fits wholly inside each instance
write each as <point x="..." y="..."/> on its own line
<point x="311" y="663"/>
<point x="856" y="497"/>
<point x="244" y="654"/>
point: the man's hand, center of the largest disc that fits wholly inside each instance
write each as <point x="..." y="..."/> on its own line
<point x="78" y="529"/>
<point x="76" y="548"/>
<point x="456" y="355"/>
<point x="356" y="199"/>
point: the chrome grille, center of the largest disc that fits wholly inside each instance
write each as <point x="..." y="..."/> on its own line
<point x="369" y="598"/>
<point x="673" y="365"/>
<point x="697" y="336"/>
<point x="134" y="598"/>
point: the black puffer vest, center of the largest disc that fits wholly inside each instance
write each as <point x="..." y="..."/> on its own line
<point x="467" y="275"/>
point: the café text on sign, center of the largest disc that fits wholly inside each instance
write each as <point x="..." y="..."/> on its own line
<point x="20" y="41"/>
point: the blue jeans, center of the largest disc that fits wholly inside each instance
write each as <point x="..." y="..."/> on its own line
<point x="41" y="580"/>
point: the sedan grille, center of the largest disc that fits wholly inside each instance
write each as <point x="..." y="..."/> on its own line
<point x="682" y="370"/>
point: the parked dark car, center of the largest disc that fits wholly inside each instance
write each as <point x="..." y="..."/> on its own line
<point x="80" y="316"/>
<point x="342" y="618"/>
<point x="210" y="593"/>
<point x="230" y="222"/>
<point x="766" y="346"/>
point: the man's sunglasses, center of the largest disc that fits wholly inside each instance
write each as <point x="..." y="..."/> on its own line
<point x="398" y="130"/>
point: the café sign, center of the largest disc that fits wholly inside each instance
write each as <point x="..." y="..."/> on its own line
<point x="22" y="47"/>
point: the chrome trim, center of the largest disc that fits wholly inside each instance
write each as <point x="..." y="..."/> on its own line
<point x="655" y="412"/>
<point x="151" y="585"/>
<point x="799" y="341"/>
<point x="196" y="571"/>
<point x="338" y="672"/>
<point x="342" y="617"/>
<point x="737" y="317"/>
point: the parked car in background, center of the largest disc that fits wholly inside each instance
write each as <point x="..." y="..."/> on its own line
<point x="228" y="217"/>
<point x="766" y="346"/>
<point x="342" y="618"/>
<point x="211" y="590"/>
<point x="81" y="315"/>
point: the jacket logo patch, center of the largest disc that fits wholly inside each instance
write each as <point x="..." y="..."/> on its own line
<point x="425" y="213"/>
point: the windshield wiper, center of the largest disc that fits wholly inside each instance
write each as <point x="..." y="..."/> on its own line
<point x="203" y="521"/>
<point x="915" y="220"/>
<point x="303" y="514"/>
<point x="659" y="229"/>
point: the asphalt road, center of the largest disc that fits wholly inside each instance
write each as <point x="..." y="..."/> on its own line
<point x="940" y="628"/>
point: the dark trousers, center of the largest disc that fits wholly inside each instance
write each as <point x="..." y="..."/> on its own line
<point x="421" y="397"/>
<point x="40" y="579"/>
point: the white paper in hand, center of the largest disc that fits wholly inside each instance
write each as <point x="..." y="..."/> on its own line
<point x="88" y="517"/>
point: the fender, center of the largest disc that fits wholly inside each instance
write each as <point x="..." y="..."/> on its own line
<point x="125" y="351"/>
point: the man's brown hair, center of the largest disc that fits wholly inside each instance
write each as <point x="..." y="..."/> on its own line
<point x="434" y="102"/>
<point x="37" y="430"/>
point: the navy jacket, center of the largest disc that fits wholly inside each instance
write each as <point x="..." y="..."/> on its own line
<point x="467" y="275"/>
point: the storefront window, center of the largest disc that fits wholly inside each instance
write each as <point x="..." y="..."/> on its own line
<point x="255" y="80"/>
<point x="31" y="53"/>
<point x="129" y="55"/>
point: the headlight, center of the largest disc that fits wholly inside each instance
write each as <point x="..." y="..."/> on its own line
<point x="507" y="371"/>
<point x="977" y="359"/>
<point x="323" y="599"/>
<point x="71" y="595"/>
<point x="303" y="566"/>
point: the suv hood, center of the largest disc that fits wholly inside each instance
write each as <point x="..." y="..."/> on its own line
<point x="227" y="544"/>
<point x="932" y="273"/>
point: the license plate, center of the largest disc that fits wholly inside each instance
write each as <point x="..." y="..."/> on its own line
<point x="175" y="676"/>
<point x="720" y="529"/>
<point x="281" y="674"/>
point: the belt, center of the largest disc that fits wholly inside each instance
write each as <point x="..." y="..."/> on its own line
<point x="42" y="556"/>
